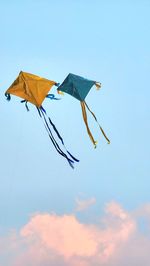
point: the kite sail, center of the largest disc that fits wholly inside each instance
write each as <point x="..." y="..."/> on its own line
<point x="79" y="87"/>
<point x="34" y="89"/>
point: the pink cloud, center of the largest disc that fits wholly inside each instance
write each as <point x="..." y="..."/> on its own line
<point x="63" y="234"/>
<point x="50" y="239"/>
<point x="84" y="204"/>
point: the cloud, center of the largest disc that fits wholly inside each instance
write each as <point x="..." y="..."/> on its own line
<point x="84" y="204"/>
<point x="50" y="239"/>
<point x="143" y="211"/>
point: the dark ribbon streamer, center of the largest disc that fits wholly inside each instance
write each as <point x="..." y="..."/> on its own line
<point x="58" y="135"/>
<point x="42" y="113"/>
<point x="62" y="140"/>
<point x="55" y="143"/>
<point x="26" y="104"/>
<point x="8" y="96"/>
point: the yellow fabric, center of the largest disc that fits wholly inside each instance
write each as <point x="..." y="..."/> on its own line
<point x="86" y="123"/>
<point x="31" y="88"/>
<point x="97" y="123"/>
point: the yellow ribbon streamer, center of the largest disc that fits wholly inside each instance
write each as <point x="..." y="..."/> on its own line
<point x="97" y="123"/>
<point x="86" y="123"/>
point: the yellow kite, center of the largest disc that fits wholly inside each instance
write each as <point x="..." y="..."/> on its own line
<point x="31" y="88"/>
<point x="34" y="89"/>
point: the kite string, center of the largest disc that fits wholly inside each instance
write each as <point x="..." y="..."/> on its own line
<point x="42" y="115"/>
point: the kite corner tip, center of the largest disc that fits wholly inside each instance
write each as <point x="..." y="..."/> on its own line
<point x="57" y="84"/>
<point x="98" y="85"/>
<point x="60" y="92"/>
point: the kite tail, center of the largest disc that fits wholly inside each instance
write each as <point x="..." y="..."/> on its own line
<point x="75" y="159"/>
<point x="97" y="123"/>
<point x="26" y="104"/>
<point x="86" y="123"/>
<point x="61" y="139"/>
<point x="43" y="115"/>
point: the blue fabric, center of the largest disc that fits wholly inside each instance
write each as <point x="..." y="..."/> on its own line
<point x="8" y="96"/>
<point x="76" y="86"/>
<point x="52" y="97"/>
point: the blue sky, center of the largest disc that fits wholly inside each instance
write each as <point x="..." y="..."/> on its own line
<point x="107" y="41"/>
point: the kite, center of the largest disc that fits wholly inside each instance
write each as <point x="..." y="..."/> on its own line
<point x="79" y="87"/>
<point x="34" y="89"/>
